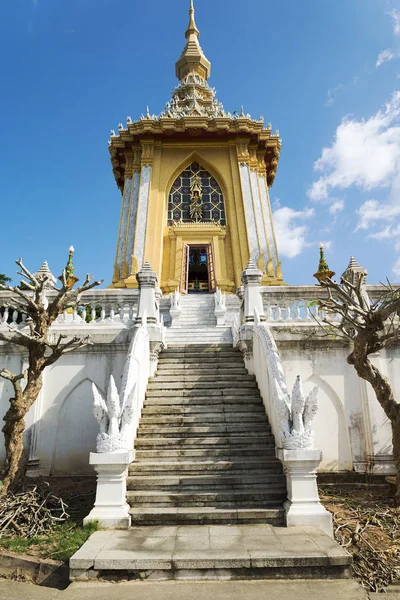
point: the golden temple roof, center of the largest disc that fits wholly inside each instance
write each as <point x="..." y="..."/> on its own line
<point x="194" y="111"/>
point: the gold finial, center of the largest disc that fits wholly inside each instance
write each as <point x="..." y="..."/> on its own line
<point x="192" y="23"/>
<point x="323" y="273"/>
<point x="192" y="59"/>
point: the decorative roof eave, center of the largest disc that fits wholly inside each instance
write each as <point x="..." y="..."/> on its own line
<point x="194" y="126"/>
<point x="162" y="125"/>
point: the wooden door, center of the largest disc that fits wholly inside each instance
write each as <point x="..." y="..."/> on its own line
<point x="211" y="269"/>
<point x="185" y="269"/>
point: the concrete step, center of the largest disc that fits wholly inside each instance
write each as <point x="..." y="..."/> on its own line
<point x="206" y="382"/>
<point x="200" y="349"/>
<point x="225" y="363"/>
<point x="222" y="441"/>
<point x="200" y="481"/>
<point x="257" y="496"/>
<point x="202" y="390"/>
<point x="203" y="335"/>
<point x="196" y="545"/>
<point x="190" y="420"/>
<point x="190" y="377"/>
<point x="149" y="454"/>
<point x="220" y="383"/>
<point x="256" y="466"/>
<point x="255" y="410"/>
<point x="193" y="400"/>
<point x="184" y="369"/>
<point x="188" y="322"/>
<point x="189" y="431"/>
<point x="199" y="330"/>
<point x="206" y="515"/>
<point x="172" y="340"/>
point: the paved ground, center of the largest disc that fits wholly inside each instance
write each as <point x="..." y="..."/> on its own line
<point x="202" y="547"/>
<point x="229" y="590"/>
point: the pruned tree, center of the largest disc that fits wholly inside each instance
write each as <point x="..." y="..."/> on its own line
<point x="42" y="301"/>
<point x="370" y="326"/>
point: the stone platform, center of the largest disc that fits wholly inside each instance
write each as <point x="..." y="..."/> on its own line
<point x="210" y="552"/>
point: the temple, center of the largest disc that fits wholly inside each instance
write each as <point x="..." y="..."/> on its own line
<point x="195" y="186"/>
<point x="208" y="398"/>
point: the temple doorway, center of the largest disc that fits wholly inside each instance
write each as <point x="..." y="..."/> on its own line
<point x="198" y="274"/>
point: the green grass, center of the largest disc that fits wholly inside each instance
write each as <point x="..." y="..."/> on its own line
<point x="60" y="544"/>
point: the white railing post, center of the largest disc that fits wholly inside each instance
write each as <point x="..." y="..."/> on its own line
<point x="147" y="280"/>
<point x="175" y="308"/>
<point x="220" y="307"/>
<point x="251" y="279"/>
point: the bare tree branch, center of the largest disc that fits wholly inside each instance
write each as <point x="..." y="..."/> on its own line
<point x="42" y="352"/>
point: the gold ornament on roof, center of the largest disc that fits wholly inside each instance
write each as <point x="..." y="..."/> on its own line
<point x="69" y="270"/>
<point x="324" y="273"/>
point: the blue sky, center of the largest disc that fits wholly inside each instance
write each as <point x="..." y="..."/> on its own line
<point x="324" y="72"/>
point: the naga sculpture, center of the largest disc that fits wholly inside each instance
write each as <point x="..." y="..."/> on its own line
<point x="296" y="419"/>
<point x="113" y="417"/>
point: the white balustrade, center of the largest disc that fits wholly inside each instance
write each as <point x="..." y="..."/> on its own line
<point x="98" y="308"/>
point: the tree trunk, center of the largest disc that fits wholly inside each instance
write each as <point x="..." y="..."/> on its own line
<point x="16" y="461"/>
<point x="14" y="443"/>
<point x="384" y="394"/>
<point x="396" y="455"/>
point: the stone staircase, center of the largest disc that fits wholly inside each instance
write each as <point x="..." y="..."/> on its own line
<point x="204" y="450"/>
<point x="206" y="491"/>
<point x="198" y="323"/>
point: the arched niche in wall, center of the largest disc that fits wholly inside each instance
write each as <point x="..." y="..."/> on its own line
<point x="76" y="432"/>
<point x="330" y="429"/>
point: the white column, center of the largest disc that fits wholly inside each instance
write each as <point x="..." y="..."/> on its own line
<point x="249" y="211"/>
<point x="144" y="192"/>
<point x="267" y="214"/>
<point x="132" y="217"/>
<point x="262" y="237"/>
<point x="124" y="222"/>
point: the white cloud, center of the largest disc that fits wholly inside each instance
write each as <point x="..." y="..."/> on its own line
<point x="373" y="211"/>
<point x="395" y="14"/>
<point x="336" y="207"/>
<point x="384" y="56"/>
<point x="291" y="234"/>
<point x="364" y="153"/>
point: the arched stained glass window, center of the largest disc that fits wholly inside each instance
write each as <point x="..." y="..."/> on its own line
<point x="195" y="196"/>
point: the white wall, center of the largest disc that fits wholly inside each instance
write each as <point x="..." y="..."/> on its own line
<point x="61" y="422"/>
<point x="349" y="428"/>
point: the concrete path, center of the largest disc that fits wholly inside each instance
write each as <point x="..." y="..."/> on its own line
<point x="218" y="590"/>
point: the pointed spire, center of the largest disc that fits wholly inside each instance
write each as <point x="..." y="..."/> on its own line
<point x="324" y="273"/>
<point x="43" y="272"/>
<point x="192" y="23"/>
<point x="354" y="270"/>
<point x="192" y="59"/>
